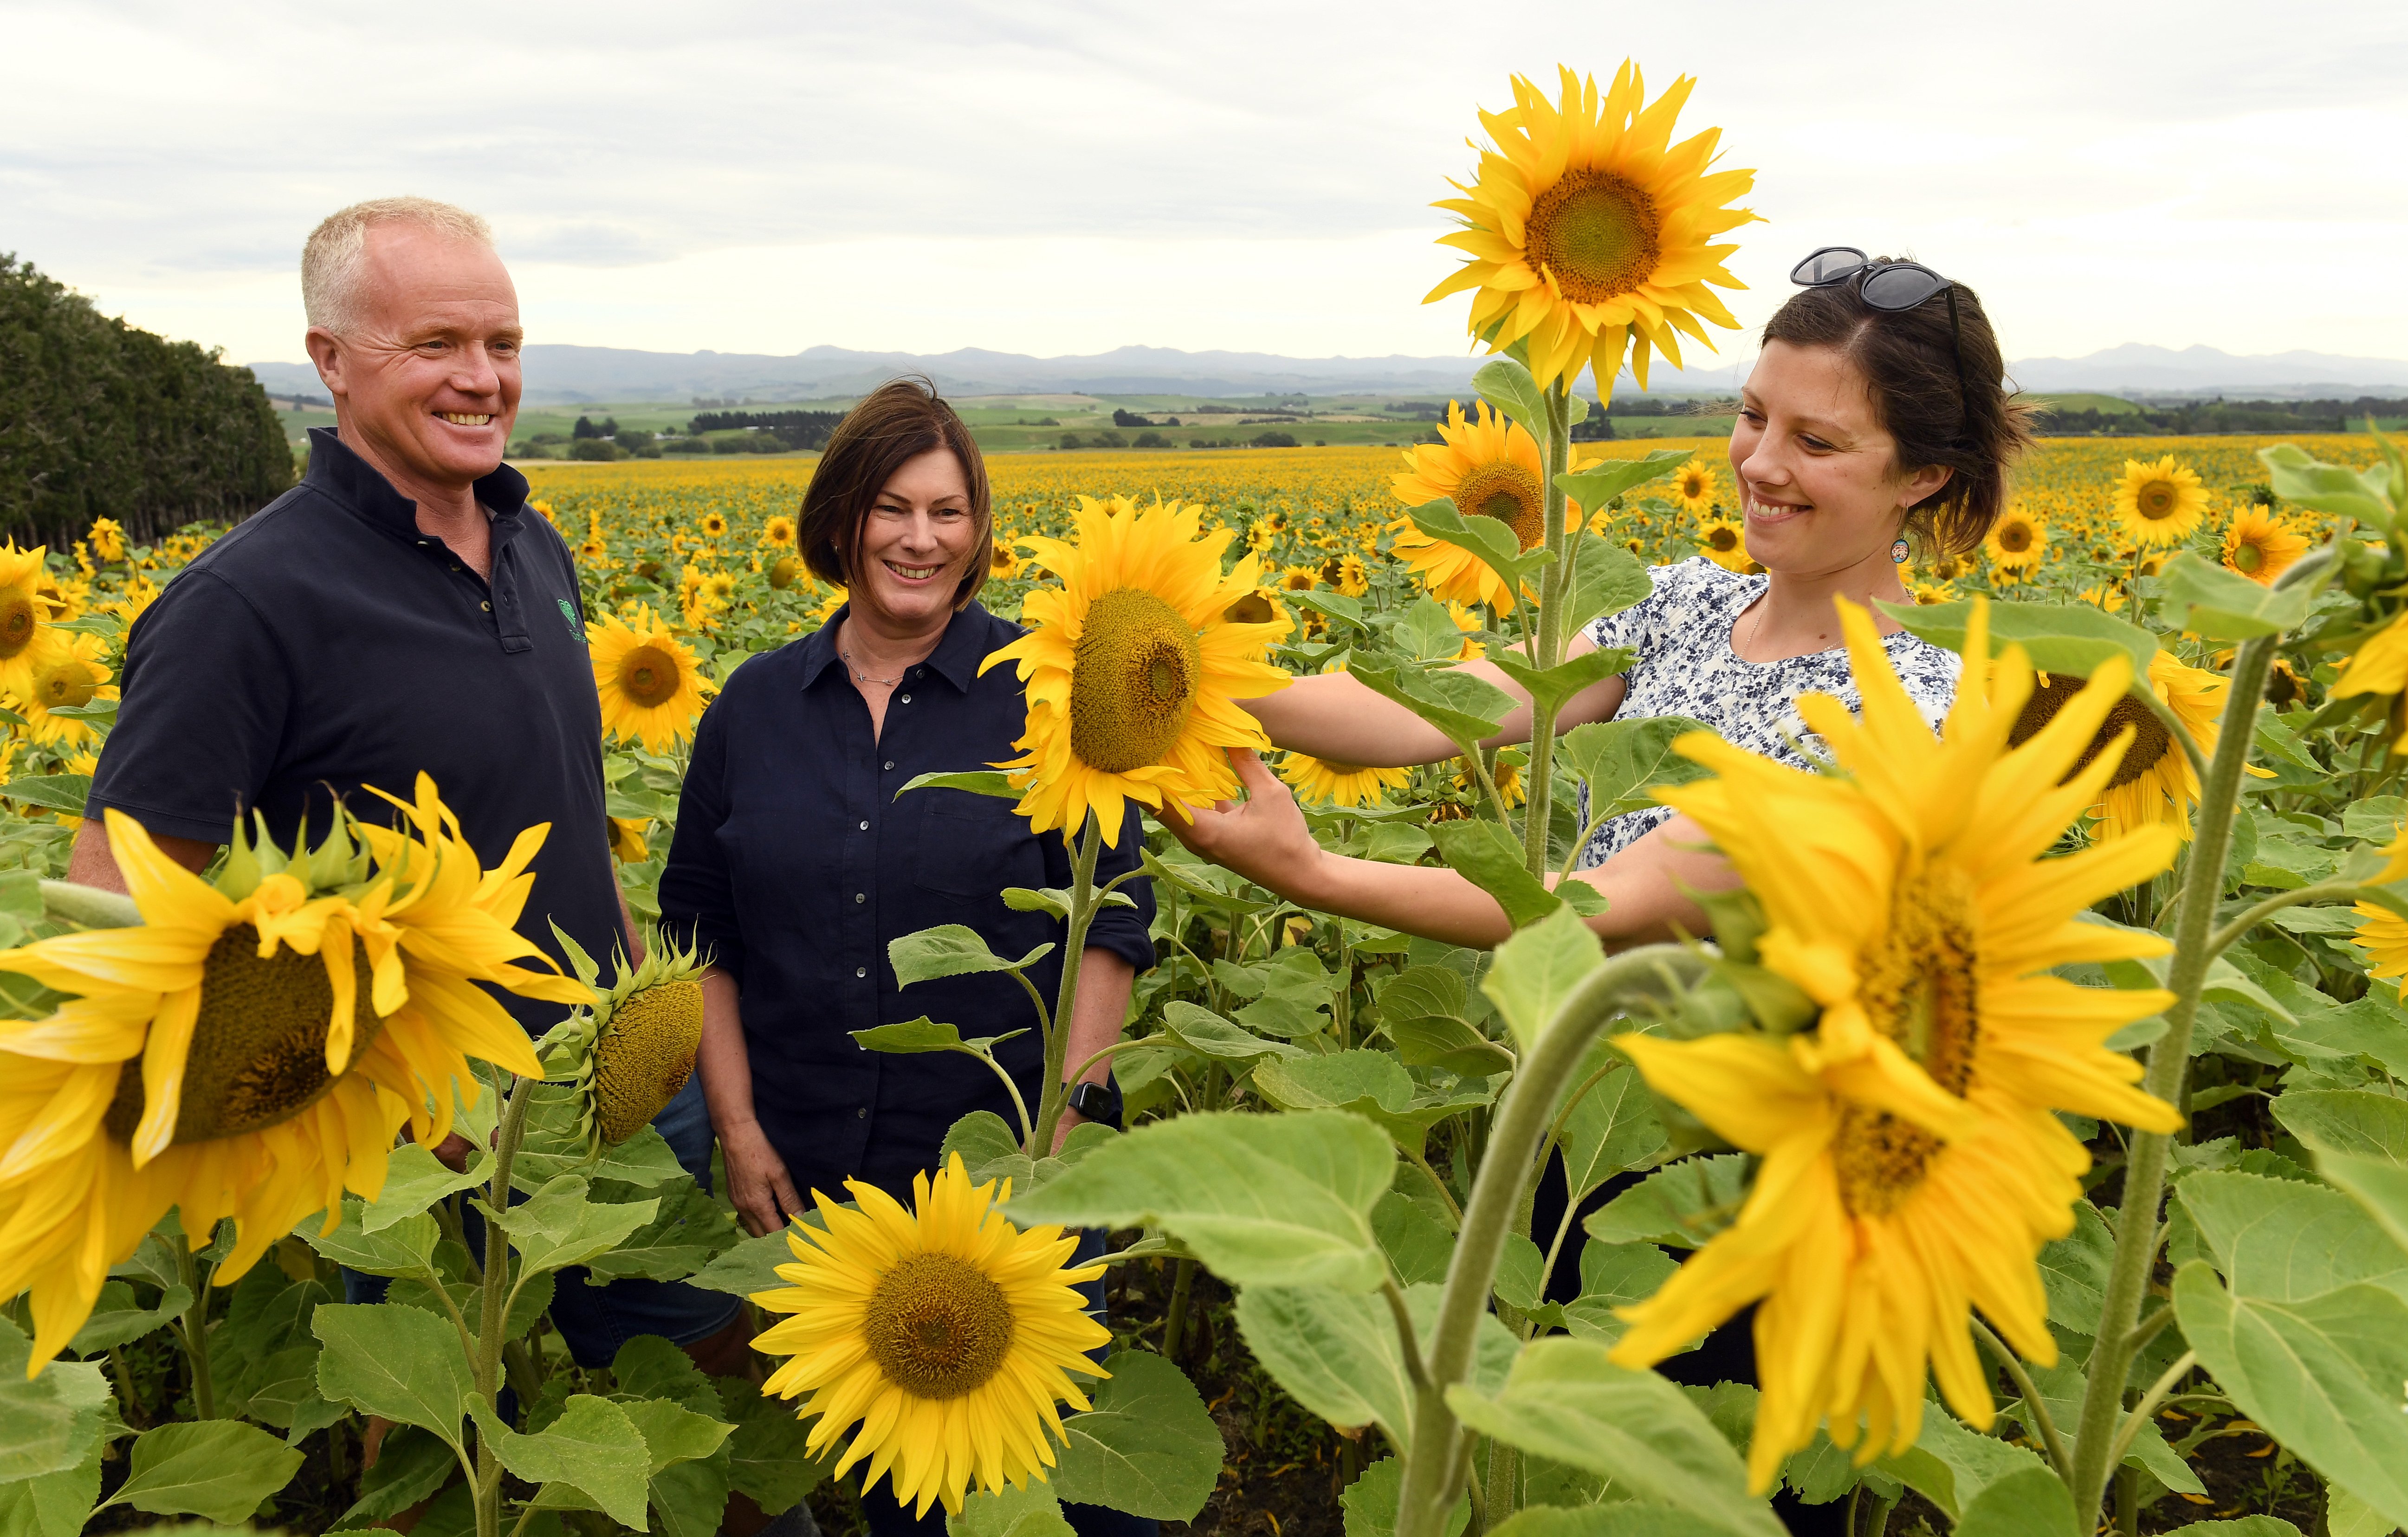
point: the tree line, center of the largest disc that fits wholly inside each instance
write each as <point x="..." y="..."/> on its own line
<point x="795" y="428"/>
<point x="2184" y="418"/>
<point x="99" y="418"/>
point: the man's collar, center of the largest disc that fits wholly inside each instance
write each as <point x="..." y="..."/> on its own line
<point x="337" y="470"/>
<point x="969" y="635"/>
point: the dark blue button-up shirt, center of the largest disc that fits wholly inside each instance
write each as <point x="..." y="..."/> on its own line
<point x="794" y="863"/>
<point x="328" y="645"/>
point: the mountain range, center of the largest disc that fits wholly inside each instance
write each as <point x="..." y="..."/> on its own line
<point x="558" y="374"/>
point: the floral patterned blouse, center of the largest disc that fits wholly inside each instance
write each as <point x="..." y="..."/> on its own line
<point x="1682" y="634"/>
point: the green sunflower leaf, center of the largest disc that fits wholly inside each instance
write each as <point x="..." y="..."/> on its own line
<point x="1148" y="1447"/>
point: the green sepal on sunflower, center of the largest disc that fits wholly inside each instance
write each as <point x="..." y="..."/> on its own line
<point x="632" y="1052"/>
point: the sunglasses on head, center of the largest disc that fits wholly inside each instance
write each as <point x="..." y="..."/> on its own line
<point x="1888" y="286"/>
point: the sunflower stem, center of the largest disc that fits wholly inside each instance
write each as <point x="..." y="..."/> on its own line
<point x="2035" y="1409"/>
<point x="1545" y="644"/>
<point x="195" y="1329"/>
<point x="1084" y="902"/>
<point x="1440" y="1459"/>
<point x="2144" y="1171"/>
<point x="2339" y="891"/>
<point x="496" y="1291"/>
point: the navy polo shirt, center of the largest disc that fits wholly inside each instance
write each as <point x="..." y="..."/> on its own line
<point x="794" y="863"/>
<point x="326" y="644"/>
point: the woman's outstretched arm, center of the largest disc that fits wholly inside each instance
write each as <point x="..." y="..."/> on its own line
<point x="1333" y="717"/>
<point x="1266" y="840"/>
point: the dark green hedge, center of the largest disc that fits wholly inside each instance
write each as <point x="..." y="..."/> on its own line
<point x="100" y="419"/>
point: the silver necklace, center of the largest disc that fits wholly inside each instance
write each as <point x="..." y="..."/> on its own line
<point x="846" y="653"/>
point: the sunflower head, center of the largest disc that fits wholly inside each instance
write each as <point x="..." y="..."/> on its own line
<point x="1319" y="779"/>
<point x="713" y="525"/>
<point x="2017" y="542"/>
<point x="1590" y="232"/>
<point x="1133" y="667"/>
<point x="1488" y="467"/>
<point x="783" y="570"/>
<point x="66" y="674"/>
<point x="2159" y="504"/>
<point x="652" y="688"/>
<point x="1693" y="488"/>
<point x="778" y="531"/>
<point x="2259" y="546"/>
<point x="1723" y="541"/>
<point x="946" y="1334"/>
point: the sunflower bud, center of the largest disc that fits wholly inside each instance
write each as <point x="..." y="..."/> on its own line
<point x="647" y="1031"/>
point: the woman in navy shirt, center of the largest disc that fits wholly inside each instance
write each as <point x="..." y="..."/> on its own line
<point x="796" y="861"/>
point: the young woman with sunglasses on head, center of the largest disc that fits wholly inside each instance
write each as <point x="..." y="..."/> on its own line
<point x="1876" y="419"/>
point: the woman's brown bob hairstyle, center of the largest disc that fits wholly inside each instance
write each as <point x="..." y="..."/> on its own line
<point x="1909" y="359"/>
<point x="897" y="421"/>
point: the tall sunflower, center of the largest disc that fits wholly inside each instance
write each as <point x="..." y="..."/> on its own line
<point x="1134" y="668"/>
<point x="250" y="1048"/>
<point x="947" y="1336"/>
<point x="26" y="638"/>
<point x="2259" y="546"/>
<point x="652" y="687"/>
<point x="1341" y="784"/>
<point x="1912" y="1167"/>
<point x="69" y="674"/>
<point x="2160" y="502"/>
<point x="2017" y="542"/>
<point x="2153" y="782"/>
<point x="1590" y="232"/>
<point x="778" y="531"/>
<point x="1489" y="467"/>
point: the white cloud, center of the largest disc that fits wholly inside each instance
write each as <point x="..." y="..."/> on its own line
<point x="1068" y="177"/>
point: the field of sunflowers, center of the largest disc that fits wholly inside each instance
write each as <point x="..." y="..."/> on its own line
<point x="1258" y="1007"/>
<point x="2024" y="1155"/>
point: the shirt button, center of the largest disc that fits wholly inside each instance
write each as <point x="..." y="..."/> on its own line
<point x="907" y="699"/>
<point x="919" y="672"/>
<point x="862" y="1114"/>
<point x="861" y="971"/>
<point x="861" y="896"/>
<point x="864" y="827"/>
<point x="486" y="606"/>
<point x="890" y="763"/>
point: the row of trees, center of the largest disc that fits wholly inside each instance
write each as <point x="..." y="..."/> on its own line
<point x="795" y="428"/>
<point x="2183" y="417"/>
<point x="99" y="418"/>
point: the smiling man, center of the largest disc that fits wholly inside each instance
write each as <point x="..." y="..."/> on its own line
<point x="400" y="611"/>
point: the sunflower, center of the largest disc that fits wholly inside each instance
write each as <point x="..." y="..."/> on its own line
<point x="26" y="639"/>
<point x="1692" y="489"/>
<point x="1133" y="667"/>
<point x="1508" y="774"/>
<point x="948" y="1336"/>
<point x="635" y="1048"/>
<point x="1723" y="541"/>
<point x="2159" y="504"/>
<point x="778" y="531"/>
<point x="2017" y="542"/>
<point x="2383" y="937"/>
<point x="784" y="570"/>
<point x="653" y="690"/>
<point x="1912" y="1167"/>
<point x="1318" y="779"/>
<point x="1001" y="563"/>
<point x="250" y="1048"/>
<point x="69" y="675"/>
<point x="2152" y="781"/>
<point x="628" y="839"/>
<point x="1928" y="593"/>
<point x="713" y="525"/>
<point x="1489" y="467"/>
<point x="1589" y="230"/>
<point x="1298" y="579"/>
<point x="2259" y="546"/>
<point x="1354" y="576"/>
<point x="108" y="539"/>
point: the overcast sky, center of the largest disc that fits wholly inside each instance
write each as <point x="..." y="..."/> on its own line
<point x="1055" y="178"/>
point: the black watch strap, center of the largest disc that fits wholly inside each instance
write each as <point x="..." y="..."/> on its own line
<point x="1097" y="1103"/>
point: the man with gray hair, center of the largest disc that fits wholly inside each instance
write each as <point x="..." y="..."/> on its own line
<point x="398" y="612"/>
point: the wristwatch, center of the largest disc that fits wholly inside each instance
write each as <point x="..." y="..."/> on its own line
<point x="1097" y="1103"/>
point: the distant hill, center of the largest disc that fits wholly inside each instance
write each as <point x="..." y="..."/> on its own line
<point x="560" y="374"/>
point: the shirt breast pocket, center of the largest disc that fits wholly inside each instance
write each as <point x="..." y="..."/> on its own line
<point x="974" y="846"/>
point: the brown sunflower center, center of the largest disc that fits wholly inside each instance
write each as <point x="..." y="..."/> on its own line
<point x="1722" y="538"/>
<point x="2014" y="538"/>
<point x="1595" y="232"/>
<point x="1254" y="608"/>
<point x="649" y="676"/>
<point x="17" y="621"/>
<point x="1919" y="987"/>
<point x="645" y="1055"/>
<point x="1133" y="679"/>
<point x="1694" y="484"/>
<point x="258" y="1056"/>
<point x="1509" y="493"/>
<point x="2157" y="500"/>
<point x="2151" y="741"/>
<point x="68" y="686"/>
<point x="937" y="1326"/>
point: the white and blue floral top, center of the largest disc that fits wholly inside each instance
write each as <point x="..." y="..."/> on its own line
<point x="1681" y="633"/>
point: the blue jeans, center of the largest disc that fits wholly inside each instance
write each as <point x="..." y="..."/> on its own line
<point x="889" y="1517"/>
<point x="595" y="1321"/>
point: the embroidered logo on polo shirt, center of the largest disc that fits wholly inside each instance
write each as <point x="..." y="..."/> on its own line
<point x="571" y="615"/>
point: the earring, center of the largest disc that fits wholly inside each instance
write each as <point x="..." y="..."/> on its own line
<point x="1898" y="553"/>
